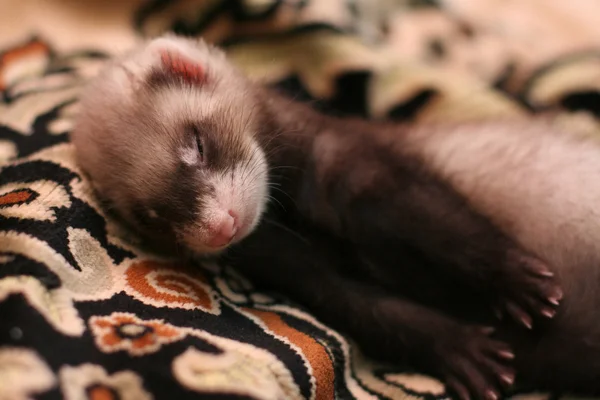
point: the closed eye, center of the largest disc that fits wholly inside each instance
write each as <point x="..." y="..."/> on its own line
<point x="199" y="144"/>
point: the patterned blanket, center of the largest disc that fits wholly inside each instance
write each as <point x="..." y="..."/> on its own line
<point x="86" y="312"/>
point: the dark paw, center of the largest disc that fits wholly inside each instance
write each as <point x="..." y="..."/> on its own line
<point x="527" y="289"/>
<point x="474" y="366"/>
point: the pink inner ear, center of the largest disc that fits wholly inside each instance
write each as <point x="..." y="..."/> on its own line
<point x="183" y="67"/>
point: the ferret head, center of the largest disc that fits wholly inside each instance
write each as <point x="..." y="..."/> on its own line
<point x="168" y="136"/>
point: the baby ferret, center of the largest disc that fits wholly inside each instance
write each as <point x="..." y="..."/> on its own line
<point x="404" y="237"/>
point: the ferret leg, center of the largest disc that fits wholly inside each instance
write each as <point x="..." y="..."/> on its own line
<point x="447" y="231"/>
<point x="472" y="364"/>
<point x="381" y="200"/>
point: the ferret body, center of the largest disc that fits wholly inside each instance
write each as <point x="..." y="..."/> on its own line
<point x="404" y="237"/>
<point x="539" y="185"/>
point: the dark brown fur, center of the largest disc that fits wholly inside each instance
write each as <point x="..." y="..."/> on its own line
<point x="390" y="253"/>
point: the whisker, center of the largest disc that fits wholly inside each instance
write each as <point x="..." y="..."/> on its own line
<point x="287" y="229"/>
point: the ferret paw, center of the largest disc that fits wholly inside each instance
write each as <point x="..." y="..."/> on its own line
<point x="474" y="365"/>
<point x="527" y="289"/>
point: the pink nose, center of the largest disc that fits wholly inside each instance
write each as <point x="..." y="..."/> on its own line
<point x="224" y="230"/>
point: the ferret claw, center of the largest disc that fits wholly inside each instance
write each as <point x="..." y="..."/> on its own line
<point x="518" y="314"/>
<point x="548" y="312"/>
<point x="527" y="289"/>
<point x="491" y="395"/>
<point x="508" y="380"/>
<point x="556" y="297"/>
<point x="477" y="367"/>
<point x="508" y="355"/>
<point x="540" y="269"/>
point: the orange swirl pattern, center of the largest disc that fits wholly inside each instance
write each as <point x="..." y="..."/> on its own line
<point x="166" y="285"/>
<point x="313" y="351"/>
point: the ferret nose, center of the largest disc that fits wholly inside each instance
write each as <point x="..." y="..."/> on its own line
<point x="225" y="230"/>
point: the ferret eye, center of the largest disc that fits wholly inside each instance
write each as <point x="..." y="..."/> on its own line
<point x="199" y="143"/>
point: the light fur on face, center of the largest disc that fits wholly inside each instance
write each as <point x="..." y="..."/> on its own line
<point x="137" y="140"/>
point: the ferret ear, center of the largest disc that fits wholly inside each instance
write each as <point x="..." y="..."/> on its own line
<point x="180" y="66"/>
<point x="133" y="76"/>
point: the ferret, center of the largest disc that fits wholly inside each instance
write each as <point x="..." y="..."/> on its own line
<point x="413" y="240"/>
